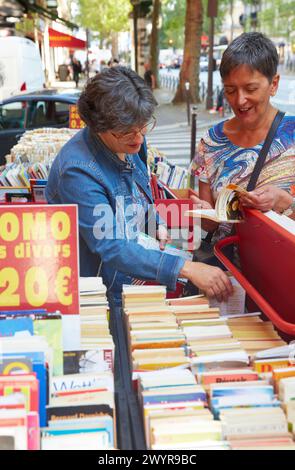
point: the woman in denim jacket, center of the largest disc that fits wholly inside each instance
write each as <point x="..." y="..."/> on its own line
<point x="100" y="170"/>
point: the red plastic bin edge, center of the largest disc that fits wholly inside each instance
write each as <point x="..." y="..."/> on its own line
<point x="282" y="325"/>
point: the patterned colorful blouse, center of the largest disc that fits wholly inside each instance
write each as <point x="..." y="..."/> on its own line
<point x="219" y="162"/>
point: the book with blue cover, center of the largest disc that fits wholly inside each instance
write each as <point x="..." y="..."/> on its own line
<point x="8" y="327"/>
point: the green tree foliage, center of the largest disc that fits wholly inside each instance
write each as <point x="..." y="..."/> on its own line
<point x="173" y="19"/>
<point x="105" y="17"/>
<point x="173" y="15"/>
<point x="277" y="18"/>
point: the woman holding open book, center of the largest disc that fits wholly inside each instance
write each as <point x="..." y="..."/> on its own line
<point x="103" y="170"/>
<point x="230" y="150"/>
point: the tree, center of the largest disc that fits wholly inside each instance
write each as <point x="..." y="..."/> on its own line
<point x="189" y="71"/>
<point x="277" y="18"/>
<point x="107" y="18"/>
<point x="154" y="45"/>
<point x="173" y="15"/>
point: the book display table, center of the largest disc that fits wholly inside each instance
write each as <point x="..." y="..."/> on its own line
<point x="129" y="420"/>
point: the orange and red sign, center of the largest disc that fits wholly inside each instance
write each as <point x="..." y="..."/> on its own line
<point x="39" y="258"/>
<point x="57" y="39"/>
<point x="75" y="122"/>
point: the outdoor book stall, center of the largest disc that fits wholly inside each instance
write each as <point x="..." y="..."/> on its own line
<point x="163" y="372"/>
<point x="243" y="353"/>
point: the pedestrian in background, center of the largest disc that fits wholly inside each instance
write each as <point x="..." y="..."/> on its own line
<point x="113" y="62"/>
<point x="149" y="77"/>
<point x="77" y="69"/>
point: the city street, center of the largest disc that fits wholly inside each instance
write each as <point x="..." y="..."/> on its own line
<point x="285" y="98"/>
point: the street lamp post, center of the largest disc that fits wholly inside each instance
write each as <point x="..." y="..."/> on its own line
<point x="135" y="4"/>
<point x="87" y="52"/>
<point x="212" y="13"/>
<point x="187" y="96"/>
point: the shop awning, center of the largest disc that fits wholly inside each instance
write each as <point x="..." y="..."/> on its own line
<point x="57" y="39"/>
<point x="204" y="40"/>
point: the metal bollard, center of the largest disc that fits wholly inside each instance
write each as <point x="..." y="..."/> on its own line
<point x="203" y="92"/>
<point x="193" y="131"/>
<point x="187" y="96"/>
<point x="217" y="94"/>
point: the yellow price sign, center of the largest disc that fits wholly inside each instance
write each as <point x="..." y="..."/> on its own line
<point x="38" y="258"/>
<point x="75" y="122"/>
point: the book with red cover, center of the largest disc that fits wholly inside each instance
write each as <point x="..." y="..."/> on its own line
<point x="26" y="384"/>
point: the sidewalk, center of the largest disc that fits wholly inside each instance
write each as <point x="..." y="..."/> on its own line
<point x="171" y="115"/>
<point x="168" y="115"/>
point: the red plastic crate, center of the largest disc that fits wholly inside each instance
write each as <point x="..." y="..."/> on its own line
<point x="267" y="254"/>
<point x="172" y="212"/>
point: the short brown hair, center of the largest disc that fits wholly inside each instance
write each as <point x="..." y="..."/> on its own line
<point x="116" y="99"/>
<point x="252" y="49"/>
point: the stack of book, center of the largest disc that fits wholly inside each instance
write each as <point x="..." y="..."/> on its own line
<point x="81" y="413"/>
<point x="250" y="415"/>
<point x="40" y="145"/>
<point x="287" y="395"/>
<point x="81" y="409"/>
<point x="256" y="428"/>
<point x="31" y="159"/>
<point x="94" y="311"/>
<point x="175" y="413"/>
<point x="17" y="175"/>
<point x="19" y="417"/>
<point x="154" y="337"/>
<point x="143" y="296"/>
<point x="220" y="376"/>
<point x="34" y="368"/>
<point x="244" y="400"/>
<point x="247" y="406"/>
<point x="228" y="356"/>
<point x="172" y="175"/>
<point x="208" y="335"/>
<point x="252" y="393"/>
<point x="29" y="359"/>
<point x="254" y="334"/>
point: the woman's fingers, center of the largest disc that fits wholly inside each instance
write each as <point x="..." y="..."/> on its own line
<point x="200" y="203"/>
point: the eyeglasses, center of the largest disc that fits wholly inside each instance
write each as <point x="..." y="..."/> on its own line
<point x="146" y="129"/>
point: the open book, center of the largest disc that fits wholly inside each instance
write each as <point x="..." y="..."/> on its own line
<point x="227" y="207"/>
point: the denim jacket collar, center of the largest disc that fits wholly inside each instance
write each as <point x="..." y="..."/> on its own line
<point x="99" y="148"/>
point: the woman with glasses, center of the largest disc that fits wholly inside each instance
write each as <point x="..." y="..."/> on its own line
<point x="103" y="170"/>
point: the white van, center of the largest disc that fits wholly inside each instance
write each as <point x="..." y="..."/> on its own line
<point x="20" y="66"/>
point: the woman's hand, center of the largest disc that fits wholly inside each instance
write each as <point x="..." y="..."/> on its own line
<point x="212" y="280"/>
<point x="200" y="203"/>
<point x="207" y="225"/>
<point x="268" y="198"/>
<point x="162" y="236"/>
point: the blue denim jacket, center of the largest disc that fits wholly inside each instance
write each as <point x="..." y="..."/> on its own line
<point x="87" y="173"/>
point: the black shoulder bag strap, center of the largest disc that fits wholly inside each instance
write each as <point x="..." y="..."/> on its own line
<point x="264" y="151"/>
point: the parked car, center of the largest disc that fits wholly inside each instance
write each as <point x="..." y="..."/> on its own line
<point x="20" y="66"/>
<point x="44" y="108"/>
